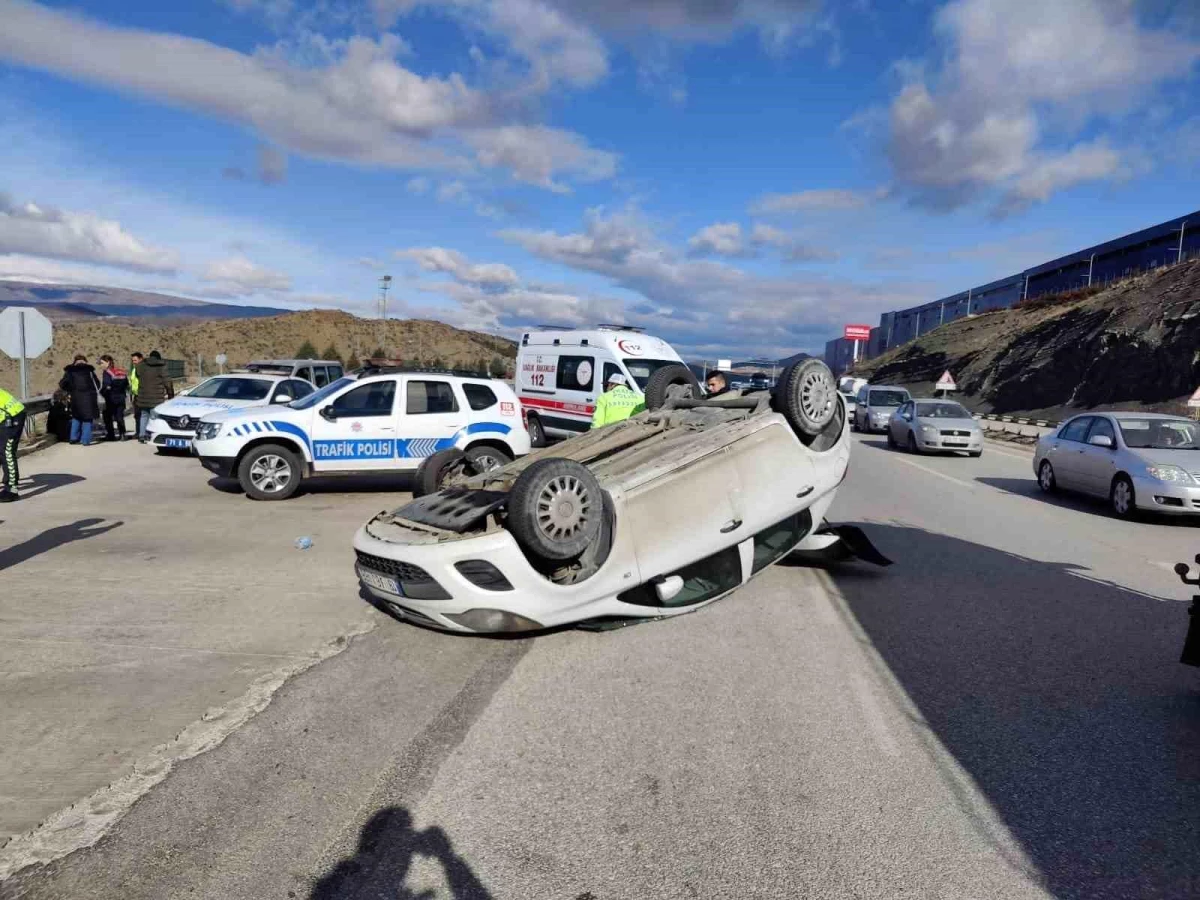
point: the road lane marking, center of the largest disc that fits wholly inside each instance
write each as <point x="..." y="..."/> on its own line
<point x="935" y="472"/>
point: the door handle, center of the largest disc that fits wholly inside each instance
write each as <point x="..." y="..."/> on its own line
<point x="805" y="491"/>
<point x="731" y="526"/>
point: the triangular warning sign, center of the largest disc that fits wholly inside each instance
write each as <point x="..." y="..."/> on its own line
<point x="1195" y="401"/>
<point x="946" y="382"/>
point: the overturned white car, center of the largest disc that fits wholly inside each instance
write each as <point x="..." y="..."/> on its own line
<point x="652" y="517"/>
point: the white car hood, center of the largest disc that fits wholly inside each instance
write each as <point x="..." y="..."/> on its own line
<point x="245" y="410"/>
<point x="197" y="407"/>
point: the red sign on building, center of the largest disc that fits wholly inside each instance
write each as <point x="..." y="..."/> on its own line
<point x="857" y="332"/>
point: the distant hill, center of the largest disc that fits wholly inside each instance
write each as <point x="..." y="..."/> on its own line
<point x="242" y="340"/>
<point x="74" y="301"/>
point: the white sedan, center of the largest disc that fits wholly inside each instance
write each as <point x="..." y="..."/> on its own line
<point x="652" y="517"/>
<point x="173" y="424"/>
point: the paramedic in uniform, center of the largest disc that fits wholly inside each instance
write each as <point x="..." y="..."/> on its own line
<point x="617" y="403"/>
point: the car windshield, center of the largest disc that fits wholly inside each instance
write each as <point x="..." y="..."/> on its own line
<point x="941" y="411"/>
<point x="1160" y="434"/>
<point x="232" y="389"/>
<point x="317" y="396"/>
<point x="642" y="369"/>
<point x="888" y="398"/>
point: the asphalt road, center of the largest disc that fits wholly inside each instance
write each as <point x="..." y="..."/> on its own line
<point x="1000" y="714"/>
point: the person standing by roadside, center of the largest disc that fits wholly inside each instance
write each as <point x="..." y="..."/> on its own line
<point x="154" y="387"/>
<point x="617" y="403"/>
<point x="79" y="380"/>
<point x="135" y="359"/>
<point x="12" y="424"/>
<point x="114" y="385"/>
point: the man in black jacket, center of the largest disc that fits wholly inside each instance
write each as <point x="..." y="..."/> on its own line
<point x="79" y="380"/>
<point x="114" y="388"/>
<point x="154" y="387"/>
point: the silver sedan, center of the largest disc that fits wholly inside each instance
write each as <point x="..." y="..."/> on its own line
<point x="923" y="426"/>
<point x="1136" y="461"/>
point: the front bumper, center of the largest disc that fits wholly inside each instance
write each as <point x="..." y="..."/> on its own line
<point x="173" y="438"/>
<point x="221" y="466"/>
<point x="1165" y="497"/>
<point x="972" y="444"/>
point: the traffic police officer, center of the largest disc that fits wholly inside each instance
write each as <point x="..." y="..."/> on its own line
<point x="12" y="423"/>
<point x="617" y="403"/>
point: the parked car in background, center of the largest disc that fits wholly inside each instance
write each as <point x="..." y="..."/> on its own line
<point x="1136" y="461"/>
<point x="851" y="401"/>
<point x="759" y="381"/>
<point x="173" y="424"/>
<point x="934" y="426"/>
<point x="875" y="405"/>
<point x="318" y="371"/>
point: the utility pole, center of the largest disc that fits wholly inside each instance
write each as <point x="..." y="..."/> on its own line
<point x="385" y="282"/>
<point x="1092" y="262"/>
<point x="1182" y="228"/>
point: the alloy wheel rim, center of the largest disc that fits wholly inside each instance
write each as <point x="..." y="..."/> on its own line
<point x="1121" y="497"/>
<point x="270" y="473"/>
<point x="1046" y="477"/>
<point x="816" y="397"/>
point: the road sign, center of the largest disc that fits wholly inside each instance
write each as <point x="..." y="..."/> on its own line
<point x="724" y="363"/>
<point x="221" y="359"/>
<point x="946" y="382"/>
<point x="24" y="334"/>
<point x="1195" y="401"/>
<point x="857" y="332"/>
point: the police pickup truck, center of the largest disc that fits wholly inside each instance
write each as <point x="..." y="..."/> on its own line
<point x="377" y="419"/>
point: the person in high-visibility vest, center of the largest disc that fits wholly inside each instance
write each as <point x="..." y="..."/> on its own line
<point x="617" y="403"/>
<point x="12" y="424"/>
<point x="134" y="385"/>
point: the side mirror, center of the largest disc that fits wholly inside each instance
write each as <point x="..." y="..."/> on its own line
<point x="1101" y="440"/>
<point x="283" y="398"/>
<point x="329" y="413"/>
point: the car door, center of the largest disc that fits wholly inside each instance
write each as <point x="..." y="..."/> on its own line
<point x="860" y="408"/>
<point x="575" y="389"/>
<point x="1066" y="451"/>
<point x="1097" y="465"/>
<point x="356" y="428"/>
<point x="432" y="415"/>
<point x="901" y="423"/>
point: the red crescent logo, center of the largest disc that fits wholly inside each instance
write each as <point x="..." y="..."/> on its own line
<point x="630" y="348"/>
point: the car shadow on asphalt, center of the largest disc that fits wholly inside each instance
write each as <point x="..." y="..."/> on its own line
<point x="387" y="848"/>
<point x="1092" y="506"/>
<point x="382" y="483"/>
<point x="35" y="485"/>
<point x="1059" y="695"/>
<point x="52" y="538"/>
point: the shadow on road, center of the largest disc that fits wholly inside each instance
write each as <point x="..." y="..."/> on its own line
<point x="1092" y="506"/>
<point x="34" y="485"/>
<point x="1061" y="697"/>
<point x="381" y="866"/>
<point x="52" y="538"/>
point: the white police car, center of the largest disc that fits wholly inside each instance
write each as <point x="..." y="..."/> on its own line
<point x="173" y="423"/>
<point x="373" y="420"/>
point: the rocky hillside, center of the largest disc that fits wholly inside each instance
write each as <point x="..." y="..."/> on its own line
<point x="260" y="338"/>
<point x="1134" y="346"/>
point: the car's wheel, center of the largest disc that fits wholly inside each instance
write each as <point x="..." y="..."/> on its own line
<point x="485" y="458"/>
<point x="537" y="434"/>
<point x="912" y="444"/>
<point x="892" y="445"/>
<point x="436" y="468"/>
<point x="554" y="509"/>
<point x="806" y="394"/>
<point x="1046" y="480"/>
<point x="270" y="472"/>
<point x="1122" y="498"/>
<point x="675" y="380"/>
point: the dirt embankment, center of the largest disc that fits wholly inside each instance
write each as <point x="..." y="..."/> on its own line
<point x="1133" y="346"/>
<point x="261" y="338"/>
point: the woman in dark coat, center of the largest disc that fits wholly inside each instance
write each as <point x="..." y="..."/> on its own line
<point x="79" y="380"/>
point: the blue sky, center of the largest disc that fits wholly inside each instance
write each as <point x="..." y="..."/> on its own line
<point x="741" y="177"/>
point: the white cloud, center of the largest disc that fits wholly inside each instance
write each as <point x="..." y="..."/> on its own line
<point x="272" y="165"/>
<point x="816" y="200"/>
<point x="238" y="275"/>
<point x="1014" y="70"/>
<point x="353" y="103"/>
<point x="419" y="185"/>
<point x="452" y="191"/>
<point x="718" y="239"/>
<point x="76" y="236"/>
<point x="439" y="259"/>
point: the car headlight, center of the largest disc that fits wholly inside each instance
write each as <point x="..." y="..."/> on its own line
<point x="929" y="431"/>
<point x="154" y="414"/>
<point x="208" y="430"/>
<point x="1170" y="474"/>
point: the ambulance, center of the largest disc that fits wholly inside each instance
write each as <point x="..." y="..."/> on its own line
<point x="561" y="372"/>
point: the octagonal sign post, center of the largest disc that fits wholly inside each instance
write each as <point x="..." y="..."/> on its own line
<point x="24" y="334"/>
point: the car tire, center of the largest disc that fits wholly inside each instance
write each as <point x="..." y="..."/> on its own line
<point x="891" y="441"/>
<point x="975" y="454"/>
<point x="555" y="509"/>
<point x="675" y="380"/>
<point x="537" y="433"/>
<point x="435" y="468"/>
<point x="1122" y="499"/>
<point x="807" y="396"/>
<point x="1046" y="480"/>
<point x="485" y="458"/>
<point x="270" y="472"/>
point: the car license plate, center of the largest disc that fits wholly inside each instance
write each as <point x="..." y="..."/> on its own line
<point x="955" y="443"/>
<point x="178" y="443"/>
<point x="380" y="582"/>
